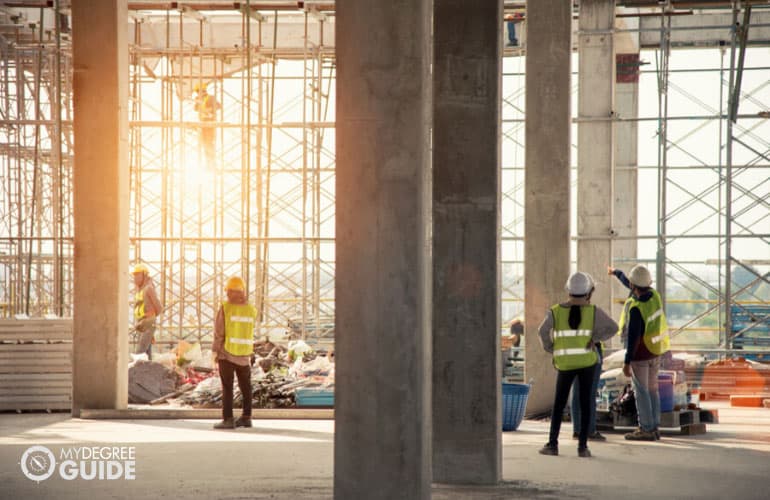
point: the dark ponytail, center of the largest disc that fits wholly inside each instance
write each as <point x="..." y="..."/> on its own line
<point x="574" y="317"/>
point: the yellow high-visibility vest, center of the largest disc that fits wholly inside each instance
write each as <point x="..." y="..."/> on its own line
<point x="239" y="328"/>
<point x="655" y="337"/>
<point x="572" y="347"/>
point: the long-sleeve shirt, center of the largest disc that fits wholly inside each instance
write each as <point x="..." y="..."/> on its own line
<point x="635" y="348"/>
<point x="604" y="326"/>
<point x="219" y="341"/>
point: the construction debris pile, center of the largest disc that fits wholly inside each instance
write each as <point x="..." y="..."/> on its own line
<point x="187" y="376"/>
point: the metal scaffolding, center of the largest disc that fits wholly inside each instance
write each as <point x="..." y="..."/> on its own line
<point x="264" y="207"/>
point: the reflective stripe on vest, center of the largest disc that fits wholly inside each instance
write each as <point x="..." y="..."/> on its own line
<point x="571" y="347"/>
<point x="139" y="304"/>
<point x="655" y="337"/>
<point x="239" y="328"/>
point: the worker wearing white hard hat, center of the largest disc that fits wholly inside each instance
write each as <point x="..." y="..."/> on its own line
<point x="570" y="331"/>
<point x="644" y="328"/>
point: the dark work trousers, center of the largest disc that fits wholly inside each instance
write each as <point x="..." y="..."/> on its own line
<point x="563" y="383"/>
<point x="226" y="371"/>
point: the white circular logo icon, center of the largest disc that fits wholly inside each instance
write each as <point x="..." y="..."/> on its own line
<point x="38" y="463"/>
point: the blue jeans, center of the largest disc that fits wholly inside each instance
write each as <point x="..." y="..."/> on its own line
<point x="575" y="409"/>
<point x="645" y="378"/>
<point x="512" y="33"/>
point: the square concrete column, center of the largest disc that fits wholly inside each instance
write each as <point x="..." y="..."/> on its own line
<point x="596" y="148"/>
<point x="382" y="442"/>
<point x="547" y="181"/>
<point x="626" y="170"/>
<point x="100" y="343"/>
<point x="466" y="241"/>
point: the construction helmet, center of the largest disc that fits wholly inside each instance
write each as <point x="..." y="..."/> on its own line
<point x="579" y="284"/>
<point x="640" y="276"/>
<point x="235" y="283"/>
<point x="141" y="269"/>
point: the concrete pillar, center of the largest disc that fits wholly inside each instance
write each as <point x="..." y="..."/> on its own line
<point x="100" y="350"/>
<point x="596" y="81"/>
<point x="626" y="163"/>
<point x="466" y="241"/>
<point x="383" y="274"/>
<point x="547" y="171"/>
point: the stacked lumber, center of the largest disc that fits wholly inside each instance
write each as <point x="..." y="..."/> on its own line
<point x="35" y="364"/>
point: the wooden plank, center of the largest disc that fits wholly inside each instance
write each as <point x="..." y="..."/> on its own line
<point x="37" y="377"/>
<point x="692" y="429"/>
<point x="35" y="335"/>
<point x="18" y="406"/>
<point x="14" y="349"/>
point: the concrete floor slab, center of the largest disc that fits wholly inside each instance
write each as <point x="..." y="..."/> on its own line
<point x="294" y="459"/>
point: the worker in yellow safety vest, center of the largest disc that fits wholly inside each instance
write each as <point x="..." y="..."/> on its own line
<point x="570" y="331"/>
<point x="207" y="106"/>
<point x="643" y="327"/>
<point x="234" y="348"/>
<point x="147" y="308"/>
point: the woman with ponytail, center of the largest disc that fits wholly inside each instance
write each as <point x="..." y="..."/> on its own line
<point x="570" y="331"/>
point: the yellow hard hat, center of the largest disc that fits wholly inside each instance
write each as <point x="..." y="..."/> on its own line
<point x="197" y="87"/>
<point x="235" y="283"/>
<point x="141" y="268"/>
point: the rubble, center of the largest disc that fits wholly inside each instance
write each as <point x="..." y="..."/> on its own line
<point x="148" y="381"/>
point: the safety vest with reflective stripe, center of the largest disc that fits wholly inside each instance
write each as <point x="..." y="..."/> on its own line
<point x="655" y="337"/>
<point x="572" y="348"/>
<point x="139" y="304"/>
<point x="239" y="328"/>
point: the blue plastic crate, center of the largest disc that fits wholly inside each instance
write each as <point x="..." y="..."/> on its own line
<point x="514" y="403"/>
<point x="314" y="396"/>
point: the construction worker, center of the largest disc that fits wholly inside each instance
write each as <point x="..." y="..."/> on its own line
<point x="146" y="309"/>
<point x="234" y="349"/>
<point x="644" y="328"/>
<point x="511" y="20"/>
<point x="207" y="106"/>
<point x="570" y="331"/>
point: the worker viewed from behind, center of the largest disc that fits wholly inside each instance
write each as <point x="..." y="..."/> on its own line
<point x="644" y="328"/>
<point x="207" y="106"/>
<point x="233" y="347"/>
<point x="146" y="309"/>
<point x="570" y="331"/>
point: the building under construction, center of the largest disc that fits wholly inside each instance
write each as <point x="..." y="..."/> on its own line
<point x="353" y="175"/>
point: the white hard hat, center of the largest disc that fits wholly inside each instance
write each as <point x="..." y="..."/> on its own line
<point x="640" y="276"/>
<point x="579" y="283"/>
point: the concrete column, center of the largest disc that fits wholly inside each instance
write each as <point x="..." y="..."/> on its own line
<point x="626" y="163"/>
<point x="100" y="350"/>
<point x="596" y="80"/>
<point x="466" y="241"/>
<point x="547" y="171"/>
<point x="383" y="274"/>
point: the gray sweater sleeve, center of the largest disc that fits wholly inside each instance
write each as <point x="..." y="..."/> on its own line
<point x="604" y="326"/>
<point x="544" y="331"/>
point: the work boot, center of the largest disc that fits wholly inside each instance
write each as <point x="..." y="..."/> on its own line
<point x="549" y="449"/>
<point x="640" y="435"/>
<point x="584" y="452"/>
<point x="597" y="437"/>
<point x="243" y="421"/>
<point x="227" y="423"/>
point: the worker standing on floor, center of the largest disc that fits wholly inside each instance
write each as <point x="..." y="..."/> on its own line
<point x="146" y="309"/>
<point x="234" y="349"/>
<point x="570" y="331"/>
<point x="644" y="328"/>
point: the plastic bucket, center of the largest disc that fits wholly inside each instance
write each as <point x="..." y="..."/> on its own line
<point x="666" y="391"/>
<point x="514" y="403"/>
